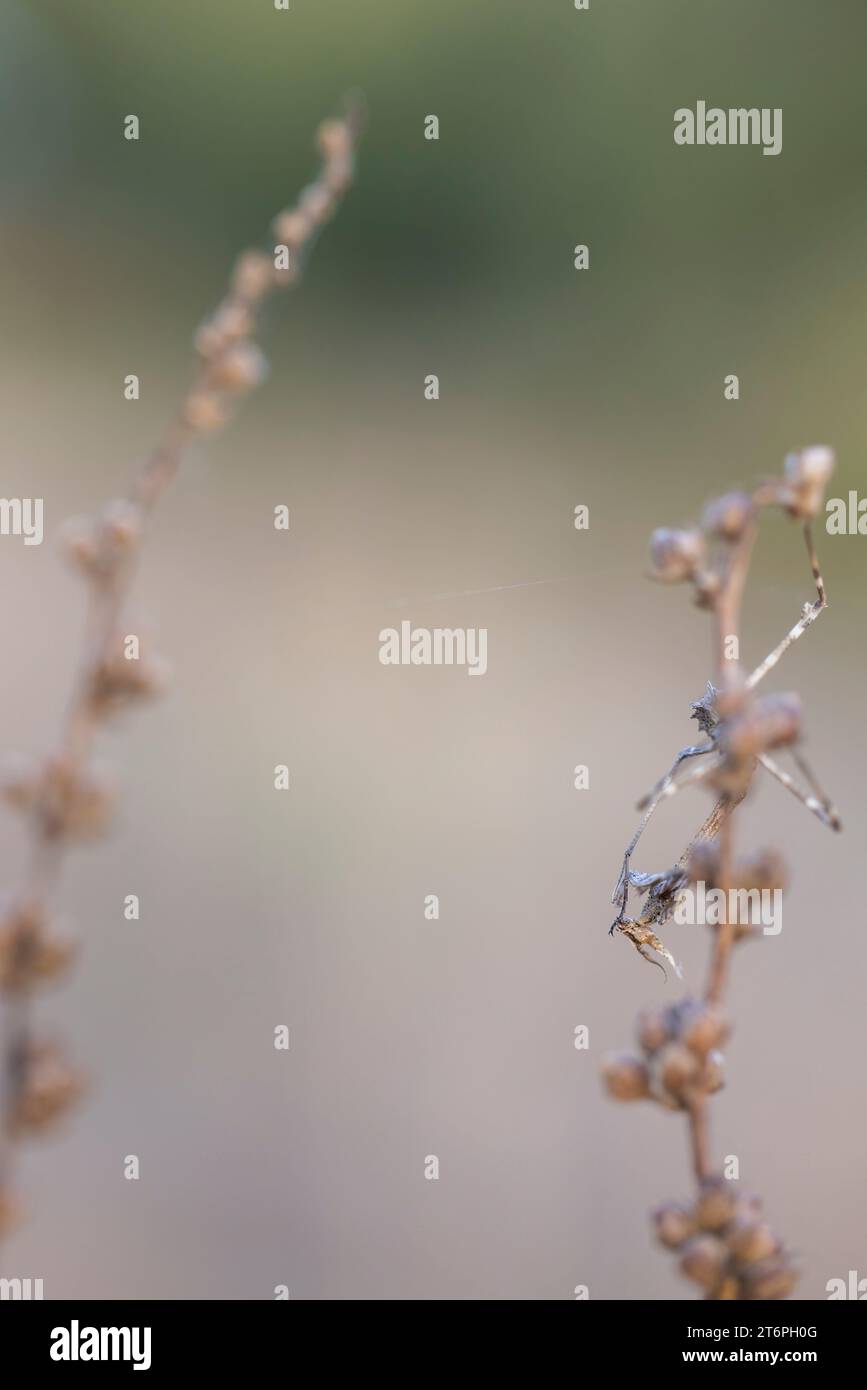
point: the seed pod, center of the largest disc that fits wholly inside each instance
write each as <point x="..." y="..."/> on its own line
<point x="204" y="412"/>
<point x="680" y="1013"/>
<point x="73" y="803"/>
<point x="770" y="1279"/>
<point x="625" y="1076"/>
<point x="659" y="1091"/>
<point x="813" y="465"/>
<point x="207" y="339"/>
<point x="97" y="548"/>
<point x="51" y="960"/>
<point x="765" y="870"/>
<point x="653" y="1029"/>
<point x="750" y="1239"/>
<point x="676" y="554"/>
<point x="806" y="475"/>
<point x="707" y="588"/>
<point x="677" y="1066"/>
<point x="29" y="956"/>
<point x="703" y="863"/>
<point x="121" y="524"/>
<point x="733" y="701"/>
<point x="704" y="1261"/>
<point x="241" y="367"/>
<point x="717" y="1204"/>
<point x="81" y="546"/>
<point x="118" y="681"/>
<point x="49" y="1089"/>
<point x="705" y="1029"/>
<point x="673" y="1224"/>
<point x="772" y="722"/>
<point x="727" y="517"/>
<point x="232" y="321"/>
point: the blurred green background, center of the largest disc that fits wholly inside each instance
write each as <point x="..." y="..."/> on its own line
<point x="558" y="387"/>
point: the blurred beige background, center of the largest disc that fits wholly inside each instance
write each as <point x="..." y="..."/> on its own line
<point x="409" y="1037"/>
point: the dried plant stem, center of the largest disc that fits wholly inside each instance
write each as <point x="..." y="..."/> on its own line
<point x="724" y="938"/>
<point x="699" y="1137"/>
<point x="728" y="602"/>
<point x="728" y="612"/>
<point x="726" y="1246"/>
<point x="64" y="790"/>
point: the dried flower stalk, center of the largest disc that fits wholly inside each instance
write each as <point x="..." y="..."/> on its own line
<point x="726" y="1247"/>
<point x="66" y="797"/>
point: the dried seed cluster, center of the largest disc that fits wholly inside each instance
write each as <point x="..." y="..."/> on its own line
<point x="726" y="1247"/>
<point x="51" y="1086"/>
<point x="748" y="726"/>
<point x="102" y="548"/>
<point x="66" y="798"/>
<point x="806" y="475"/>
<point x="680" y="1056"/>
<point x="31" y="951"/>
<point x="763" y="871"/>
<point x="684" y="554"/>
<point x="232" y="363"/>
